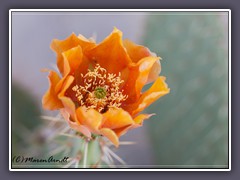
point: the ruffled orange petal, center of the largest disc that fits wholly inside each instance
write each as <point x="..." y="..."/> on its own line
<point x="72" y="59"/>
<point x="82" y="69"/>
<point x="67" y="102"/>
<point x="50" y="99"/>
<point x="116" y="118"/>
<point x="75" y="125"/>
<point x="154" y="72"/>
<point x="158" y="89"/>
<point x="135" y="51"/>
<point x="108" y="133"/>
<point x="91" y="39"/>
<point x="137" y="123"/>
<point x="90" y="118"/>
<point x="137" y="78"/>
<point x="140" y="118"/>
<point x="121" y="131"/>
<point x="110" y="53"/>
<point x="60" y="46"/>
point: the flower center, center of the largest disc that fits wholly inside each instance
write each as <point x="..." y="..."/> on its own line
<point x="100" y="90"/>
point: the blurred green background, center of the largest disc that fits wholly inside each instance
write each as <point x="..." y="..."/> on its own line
<point x="190" y="129"/>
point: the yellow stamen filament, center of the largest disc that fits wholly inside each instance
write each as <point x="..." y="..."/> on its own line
<point x="100" y="90"/>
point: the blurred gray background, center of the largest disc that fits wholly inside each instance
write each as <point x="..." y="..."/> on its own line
<point x="191" y="125"/>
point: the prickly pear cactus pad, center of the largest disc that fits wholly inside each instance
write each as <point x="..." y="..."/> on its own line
<point x="191" y="128"/>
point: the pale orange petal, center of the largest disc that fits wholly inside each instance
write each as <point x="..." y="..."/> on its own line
<point x="108" y="133"/>
<point x="116" y="118"/>
<point x="75" y="125"/>
<point x="154" y="72"/>
<point x="72" y="59"/>
<point x="82" y="69"/>
<point x="110" y="53"/>
<point x="125" y="74"/>
<point x="59" y="46"/>
<point x="67" y="102"/>
<point x="121" y="131"/>
<point x="91" y="39"/>
<point x="90" y="118"/>
<point x="137" y="123"/>
<point x="158" y="89"/>
<point x="50" y="99"/>
<point x="140" y="118"/>
<point x="138" y="77"/>
<point x="135" y="51"/>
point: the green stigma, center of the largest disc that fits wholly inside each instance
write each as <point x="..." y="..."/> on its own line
<point x="100" y="92"/>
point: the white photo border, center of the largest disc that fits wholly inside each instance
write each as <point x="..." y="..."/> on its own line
<point x="121" y="10"/>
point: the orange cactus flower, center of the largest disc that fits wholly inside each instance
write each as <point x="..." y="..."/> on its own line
<point x="99" y="89"/>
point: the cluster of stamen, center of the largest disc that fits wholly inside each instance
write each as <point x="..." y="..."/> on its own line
<point x="100" y="90"/>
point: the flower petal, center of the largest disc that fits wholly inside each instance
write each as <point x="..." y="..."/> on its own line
<point x="72" y="62"/>
<point x="137" y="123"/>
<point x="50" y="99"/>
<point x="137" y="78"/>
<point x="135" y="51"/>
<point x="140" y="118"/>
<point x="67" y="102"/>
<point x="75" y="125"/>
<point x="110" y="53"/>
<point x="72" y="59"/>
<point x="121" y="131"/>
<point x="116" y="118"/>
<point x="154" y="72"/>
<point x="90" y="118"/>
<point x="59" y="46"/>
<point x="158" y="89"/>
<point x="108" y="133"/>
<point x="82" y="69"/>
